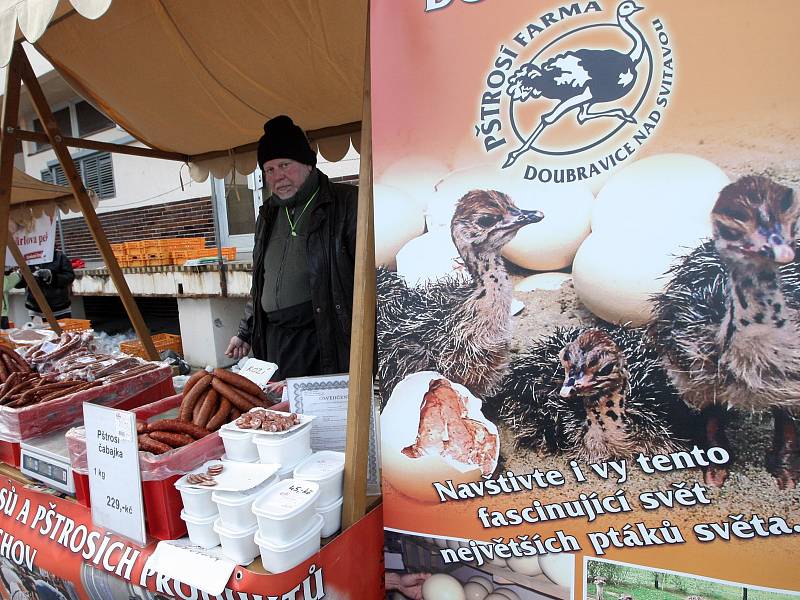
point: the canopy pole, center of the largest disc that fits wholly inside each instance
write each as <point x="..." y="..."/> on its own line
<point x="362" y="344"/>
<point x="51" y="127"/>
<point x="7" y="143"/>
<point x="33" y="286"/>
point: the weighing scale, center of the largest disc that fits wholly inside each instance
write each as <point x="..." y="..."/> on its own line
<point x="46" y="459"/>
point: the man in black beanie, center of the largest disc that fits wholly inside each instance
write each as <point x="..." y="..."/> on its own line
<point x="301" y="302"/>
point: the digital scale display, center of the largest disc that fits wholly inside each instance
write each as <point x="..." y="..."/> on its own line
<point x="45" y="469"/>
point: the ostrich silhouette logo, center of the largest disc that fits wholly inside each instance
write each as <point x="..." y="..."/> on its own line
<point x="580" y="79"/>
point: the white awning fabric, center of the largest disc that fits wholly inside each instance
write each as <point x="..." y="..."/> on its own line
<point x="202" y="76"/>
<point x="30" y="198"/>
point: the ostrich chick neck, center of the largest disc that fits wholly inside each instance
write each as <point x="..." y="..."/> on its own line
<point x="484" y="316"/>
<point x="606" y="433"/>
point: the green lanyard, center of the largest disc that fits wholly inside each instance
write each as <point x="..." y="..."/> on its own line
<point x="293" y="226"/>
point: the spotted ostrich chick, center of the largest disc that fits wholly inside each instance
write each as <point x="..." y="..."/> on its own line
<point x="727" y="322"/>
<point x="455" y="327"/>
<point x="594" y="394"/>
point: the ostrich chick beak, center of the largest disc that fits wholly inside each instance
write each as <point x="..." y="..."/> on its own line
<point x="637" y="8"/>
<point x="568" y="388"/>
<point x="782" y="252"/>
<point x="527" y="217"/>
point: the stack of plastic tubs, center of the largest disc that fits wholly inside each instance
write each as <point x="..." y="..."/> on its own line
<point x="326" y="469"/>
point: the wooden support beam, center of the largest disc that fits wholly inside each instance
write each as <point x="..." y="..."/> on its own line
<point x="7" y="142"/>
<point x="362" y="343"/>
<point x="33" y="286"/>
<point x="41" y="138"/>
<point x="56" y="140"/>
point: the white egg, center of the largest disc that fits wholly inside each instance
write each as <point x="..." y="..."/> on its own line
<point x="475" y="591"/>
<point x="429" y="257"/>
<point x="442" y="587"/>
<point x="616" y="276"/>
<point x="455" y="185"/>
<point x="507" y="593"/>
<point x="526" y="565"/>
<point x="662" y="191"/>
<point x="559" y="568"/>
<point x="415" y="175"/>
<point x="551" y="244"/>
<point x="485" y="582"/>
<point x="400" y="423"/>
<point x="543" y="281"/>
<point x="398" y="219"/>
<point x="495" y="596"/>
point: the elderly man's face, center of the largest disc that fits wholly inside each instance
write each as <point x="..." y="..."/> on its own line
<point x="285" y="176"/>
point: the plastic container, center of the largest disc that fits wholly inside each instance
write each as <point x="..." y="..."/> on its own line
<point x="332" y="514"/>
<point x="287" y="471"/>
<point x="286" y="449"/>
<point x="285" y="510"/>
<point x="237" y="544"/>
<point x="201" y="530"/>
<point x="278" y="557"/>
<point x="236" y="508"/>
<point x="239" y="445"/>
<point x="197" y="502"/>
<point x="326" y="469"/>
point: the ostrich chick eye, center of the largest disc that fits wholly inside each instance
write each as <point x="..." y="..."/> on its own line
<point x="729" y="234"/>
<point x="787" y="201"/>
<point x="606" y="370"/>
<point x="488" y="220"/>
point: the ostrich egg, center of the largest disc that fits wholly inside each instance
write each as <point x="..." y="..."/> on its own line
<point x="543" y="281"/>
<point x="475" y="591"/>
<point x="507" y="593"/>
<point x="429" y="257"/>
<point x="616" y="275"/>
<point x="416" y="176"/>
<point x="397" y="220"/>
<point x="442" y="587"/>
<point x="525" y="565"/>
<point x="551" y="243"/>
<point x="455" y="185"/>
<point x="559" y="568"/>
<point x="485" y="582"/>
<point x="658" y="192"/>
<point x="399" y="428"/>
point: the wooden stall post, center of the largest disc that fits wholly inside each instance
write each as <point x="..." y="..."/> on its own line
<point x="362" y="344"/>
<point x="51" y="128"/>
<point x="33" y="286"/>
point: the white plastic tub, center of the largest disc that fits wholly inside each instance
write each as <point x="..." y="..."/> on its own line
<point x="288" y="449"/>
<point x="235" y="508"/>
<point x="237" y="544"/>
<point x="332" y="515"/>
<point x="201" y="530"/>
<point x="239" y="445"/>
<point x="326" y="469"/>
<point x="287" y="471"/>
<point x="285" y="510"/>
<point x="279" y="557"/>
<point x="197" y="502"/>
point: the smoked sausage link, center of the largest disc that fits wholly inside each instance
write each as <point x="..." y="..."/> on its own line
<point x="190" y="399"/>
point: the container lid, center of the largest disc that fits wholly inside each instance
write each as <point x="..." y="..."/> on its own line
<point x="304" y="420"/>
<point x="286" y="499"/>
<point x="241" y="497"/>
<point x="234" y="434"/>
<point x="289" y="437"/>
<point x="233" y="533"/>
<point x="234" y="477"/>
<point x="314" y="530"/>
<point x="320" y="466"/>
<point x="199" y="520"/>
<point x="332" y="506"/>
<point x="289" y="469"/>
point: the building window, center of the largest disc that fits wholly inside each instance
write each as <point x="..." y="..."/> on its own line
<point x="64" y="122"/>
<point x="96" y="171"/>
<point x="90" y="120"/>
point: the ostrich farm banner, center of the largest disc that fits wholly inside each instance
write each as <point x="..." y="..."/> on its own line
<point x="588" y="285"/>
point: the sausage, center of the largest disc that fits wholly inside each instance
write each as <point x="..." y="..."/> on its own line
<point x="231" y="395"/>
<point x="241" y="382"/>
<point x="190" y="399"/>
<point x="220" y="417"/>
<point x="198" y="405"/>
<point x="10" y="382"/>
<point x="178" y="427"/>
<point x="3" y="371"/>
<point x="10" y="364"/>
<point x="141" y="428"/>
<point x="74" y="389"/>
<point x="207" y="408"/>
<point x="235" y="413"/>
<point x="195" y="377"/>
<point x="175" y="440"/>
<point x="281" y="406"/>
<point x="21" y="385"/>
<point x="148" y="444"/>
<point x="24" y="367"/>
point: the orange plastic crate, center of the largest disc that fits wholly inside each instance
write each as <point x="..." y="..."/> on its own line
<point x="135" y="247"/>
<point x="162" y="341"/>
<point x="75" y="324"/>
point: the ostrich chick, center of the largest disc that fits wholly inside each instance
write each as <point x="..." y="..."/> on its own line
<point x="577" y="392"/>
<point x="457" y="328"/>
<point x="730" y="333"/>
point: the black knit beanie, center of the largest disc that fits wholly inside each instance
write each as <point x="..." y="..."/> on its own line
<point x="283" y="139"/>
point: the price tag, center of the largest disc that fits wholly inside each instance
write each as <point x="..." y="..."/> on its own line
<point x="258" y="371"/>
<point x="112" y="454"/>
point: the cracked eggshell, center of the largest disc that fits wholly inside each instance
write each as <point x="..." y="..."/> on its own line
<point x="417" y="176"/>
<point x="442" y="587"/>
<point x="399" y="424"/>
<point x="658" y="194"/>
<point x="559" y="568"/>
<point x="475" y="591"/>
<point x="525" y="565"/>
<point x="398" y="219"/>
<point x="430" y="257"/>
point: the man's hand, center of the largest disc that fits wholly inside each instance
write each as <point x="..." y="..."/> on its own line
<point x="44" y="275"/>
<point x="409" y="584"/>
<point x="237" y="348"/>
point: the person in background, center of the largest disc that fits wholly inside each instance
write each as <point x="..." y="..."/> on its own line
<point x="10" y="280"/>
<point x="301" y="302"/>
<point x="55" y="279"/>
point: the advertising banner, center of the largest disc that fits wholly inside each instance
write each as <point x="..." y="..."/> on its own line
<point x="36" y="241"/>
<point x="588" y="292"/>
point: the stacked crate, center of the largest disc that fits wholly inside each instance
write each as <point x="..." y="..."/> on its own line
<point x="166" y="251"/>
